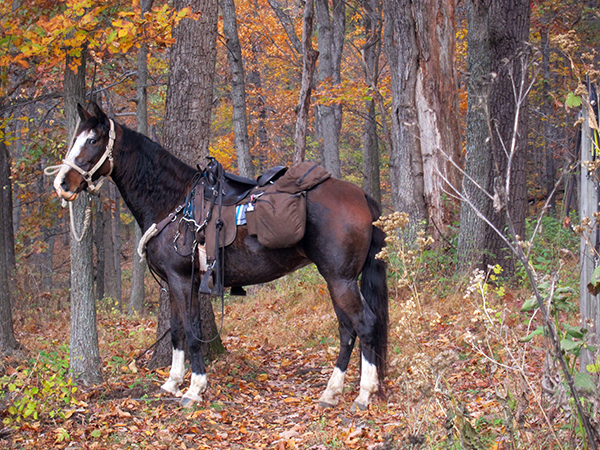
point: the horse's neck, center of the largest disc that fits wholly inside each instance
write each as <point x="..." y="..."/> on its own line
<point x="152" y="181"/>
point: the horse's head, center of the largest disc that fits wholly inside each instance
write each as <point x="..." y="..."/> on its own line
<point x="90" y="157"/>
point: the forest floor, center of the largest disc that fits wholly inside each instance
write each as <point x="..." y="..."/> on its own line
<point x="458" y="378"/>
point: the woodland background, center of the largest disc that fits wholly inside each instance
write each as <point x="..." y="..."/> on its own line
<point x="398" y="91"/>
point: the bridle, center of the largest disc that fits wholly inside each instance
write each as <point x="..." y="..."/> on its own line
<point x="87" y="175"/>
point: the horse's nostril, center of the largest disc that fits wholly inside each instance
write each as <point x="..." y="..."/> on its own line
<point x="64" y="185"/>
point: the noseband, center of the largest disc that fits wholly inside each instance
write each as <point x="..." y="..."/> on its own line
<point x="87" y="176"/>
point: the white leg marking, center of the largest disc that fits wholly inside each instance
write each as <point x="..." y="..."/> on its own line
<point x="197" y="386"/>
<point x="369" y="383"/>
<point x="176" y="374"/>
<point x="334" y="388"/>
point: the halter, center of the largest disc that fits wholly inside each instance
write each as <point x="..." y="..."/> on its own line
<point x="87" y="176"/>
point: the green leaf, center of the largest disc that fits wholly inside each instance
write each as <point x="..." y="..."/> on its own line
<point x="594" y="284"/>
<point x="569" y="345"/>
<point x="583" y="380"/>
<point x="593" y="368"/>
<point x="537" y="332"/>
<point x="575" y="332"/>
<point x="96" y="433"/>
<point x="529" y="305"/>
<point x="572" y="100"/>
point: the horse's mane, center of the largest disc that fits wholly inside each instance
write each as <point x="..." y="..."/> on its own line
<point x="152" y="181"/>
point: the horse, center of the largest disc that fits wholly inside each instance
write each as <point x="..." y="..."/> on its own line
<point x="340" y="239"/>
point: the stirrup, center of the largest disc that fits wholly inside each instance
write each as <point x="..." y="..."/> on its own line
<point x="207" y="283"/>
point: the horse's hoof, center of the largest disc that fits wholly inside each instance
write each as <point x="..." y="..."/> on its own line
<point x="188" y="400"/>
<point x="171" y="388"/>
<point x="358" y="406"/>
<point x="326" y="405"/>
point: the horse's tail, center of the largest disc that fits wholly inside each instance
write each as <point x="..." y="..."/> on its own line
<point x="373" y="285"/>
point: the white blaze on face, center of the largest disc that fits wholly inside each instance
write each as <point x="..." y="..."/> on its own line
<point x="71" y="155"/>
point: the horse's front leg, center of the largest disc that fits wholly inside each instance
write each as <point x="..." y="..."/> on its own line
<point x="198" y="382"/>
<point x="177" y="371"/>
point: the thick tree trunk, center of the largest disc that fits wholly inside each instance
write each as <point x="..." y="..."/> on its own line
<point x="310" y="56"/>
<point x="330" y="31"/>
<point x="188" y="113"/>
<point x="478" y="159"/>
<point x="238" y="89"/>
<point x="509" y="32"/>
<point x="84" y="352"/>
<point x="8" y="343"/>
<point x="437" y="107"/>
<point x="406" y="163"/>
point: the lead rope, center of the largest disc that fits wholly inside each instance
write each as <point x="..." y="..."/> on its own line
<point x="86" y="220"/>
<point x="53" y="170"/>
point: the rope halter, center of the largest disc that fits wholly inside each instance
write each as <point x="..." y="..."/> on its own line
<point x="87" y="175"/>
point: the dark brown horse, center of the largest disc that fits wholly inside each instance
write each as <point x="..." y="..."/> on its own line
<point x="340" y="239"/>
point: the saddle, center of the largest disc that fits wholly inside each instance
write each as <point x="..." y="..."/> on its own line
<point x="274" y="205"/>
<point x="236" y="188"/>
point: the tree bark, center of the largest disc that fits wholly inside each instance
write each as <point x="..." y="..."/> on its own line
<point x="371" y="51"/>
<point x="420" y="46"/>
<point x="138" y="265"/>
<point x="310" y="56"/>
<point x="406" y="163"/>
<point x="187" y="116"/>
<point x="437" y="106"/>
<point x="238" y="89"/>
<point x="478" y="159"/>
<point x="8" y="342"/>
<point x="509" y="32"/>
<point x="330" y="32"/>
<point x="84" y="351"/>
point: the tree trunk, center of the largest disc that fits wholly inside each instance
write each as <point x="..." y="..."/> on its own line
<point x="548" y="129"/>
<point x="308" y="69"/>
<point x="111" y="248"/>
<point x="437" y="106"/>
<point x="371" y="52"/>
<point x="138" y="265"/>
<point x="509" y="31"/>
<point x="478" y="159"/>
<point x="406" y="163"/>
<point x="188" y="113"/>
<point x="99" y="243"/>
<point x="8" y="343"/>
<point x="238" y="89"/>
<point x="420" y="46"/>
<point x="330" y="31"/>
<point x="84" y="352"/>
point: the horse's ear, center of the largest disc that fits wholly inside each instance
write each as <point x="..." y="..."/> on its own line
<point x="103" y="118"/>
<point x="83" y="114"/>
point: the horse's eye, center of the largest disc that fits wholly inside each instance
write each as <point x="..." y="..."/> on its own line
<point x="93" y="141"/>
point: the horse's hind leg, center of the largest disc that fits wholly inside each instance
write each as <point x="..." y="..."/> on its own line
<point x="335" y="386"/>
<point x="356" y="318"/>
